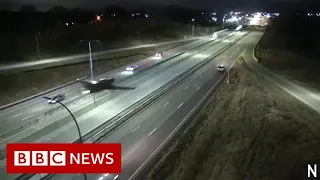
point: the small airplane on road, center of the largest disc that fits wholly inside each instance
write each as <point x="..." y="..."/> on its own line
<point x="102" y="84"/>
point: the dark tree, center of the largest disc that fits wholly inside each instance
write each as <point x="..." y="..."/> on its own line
<point x="116" y="12"/>
<point x="57" y="9"/>
<point x="28" y="9"/>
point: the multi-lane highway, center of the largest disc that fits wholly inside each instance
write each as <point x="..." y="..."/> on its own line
<point x="119" y="100"/>
<point x="146" y="133"/>
<point x="35" y="109"/>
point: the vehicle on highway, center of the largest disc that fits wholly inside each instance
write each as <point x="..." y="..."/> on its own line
<point x="215" y="36"/>
<point x="55" y="99"/>
<point x="102" y="84"/>
<point x="132" y="67"/>
<point x="221" y="68"/>
<point x="159" y="55"/>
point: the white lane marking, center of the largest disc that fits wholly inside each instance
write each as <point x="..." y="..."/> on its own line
<point x="210" y="77"/>
<point x="15" y="115"/>
<point x="116" y="177"/>
<point x="105" y="175"/>
<point x="180" y="105"/>
<point x="174" y="130"/>
<point x="74" y="97"/>
<point x="105" y="95"/>
<point x="166" y="104"/>
<point x="27" y="117"/>
<point x="135" y="129"/>
<point x="198" y="88"/>
<point x="186" y="88"/>
<point x="152" y="131"/>
<point x="100" y="178"/>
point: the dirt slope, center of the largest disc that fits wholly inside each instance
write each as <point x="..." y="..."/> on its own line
<point x="249" y="130"/>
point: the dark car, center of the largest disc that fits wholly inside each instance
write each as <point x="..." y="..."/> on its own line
<point x="55" y="99"/>
<point x="221" y="68"/>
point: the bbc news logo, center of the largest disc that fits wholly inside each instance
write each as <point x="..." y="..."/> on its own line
<point x="63" y="158"/>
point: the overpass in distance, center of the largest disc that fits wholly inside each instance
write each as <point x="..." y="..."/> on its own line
<point x="167" y="90"/>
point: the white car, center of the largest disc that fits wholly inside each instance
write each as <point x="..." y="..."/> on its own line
<point x="159" y="55"/>
<point x="55" y="99"/>
<point x="215" y="36"/>
<point x="132" y="67"/>
<point x="221" y="68"/>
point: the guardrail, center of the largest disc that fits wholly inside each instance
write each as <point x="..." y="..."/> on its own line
<point x="85" y="109"/>
<point x="100" y="132"/>
<point x="57" y="88"/>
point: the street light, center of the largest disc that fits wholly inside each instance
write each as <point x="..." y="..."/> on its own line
<point x="232" y="64"/>
<point x="90" y="56"/>
<point x="75" y="121"/>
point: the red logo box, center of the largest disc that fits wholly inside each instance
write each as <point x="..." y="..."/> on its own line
<point x="63" y="158"/>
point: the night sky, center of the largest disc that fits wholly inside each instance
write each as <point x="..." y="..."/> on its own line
<point x="95" y="4"/>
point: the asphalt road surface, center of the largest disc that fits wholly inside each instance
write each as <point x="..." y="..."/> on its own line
<point x="144" y="135"/>
<point x="120" y="100"/>
<point x="36" y="108"/>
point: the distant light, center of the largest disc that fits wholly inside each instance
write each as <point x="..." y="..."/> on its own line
<point x="67" y="24"/>
<point x="98" y="18"/>
<point x="146" y="15"/>
<point x="268" y="15"/>
<point x="132" y="15"/>
<point x="192" y="20"/>
<point x="202" y="13"/>
<point x="94" y="82"/>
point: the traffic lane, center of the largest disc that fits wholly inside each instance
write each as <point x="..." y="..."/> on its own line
<point x="142" y="123"/>
<point x="106" y="111"/>
<point x="126" y="99"/>
<point x="157" y="116"/>
<point x="71" y="124"/>
<point x="30" y="113"/>
<point x="147" y="147"/>
<point x="166" y="53"/>
<point x="30" y="116"/>
<point x="306" y="96"/>
<point x="150" y="61"/>
<point x="50" y="136"/>
<point x="174" y="50"/>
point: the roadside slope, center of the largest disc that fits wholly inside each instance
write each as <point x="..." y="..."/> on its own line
<point x="249" y="129"/>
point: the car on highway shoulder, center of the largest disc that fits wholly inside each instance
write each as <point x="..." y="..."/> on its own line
<point x="220" y="68"/>
<point x="55" y="99"/>
<point x="132" y="67"/>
